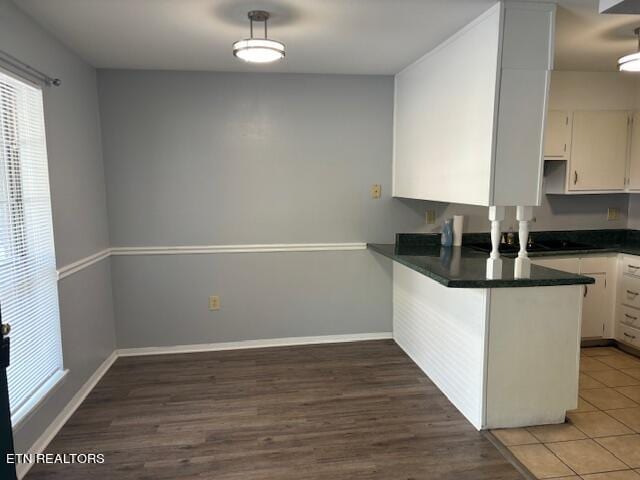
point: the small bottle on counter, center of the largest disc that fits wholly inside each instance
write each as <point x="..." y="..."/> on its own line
<point x="447" y="233"/>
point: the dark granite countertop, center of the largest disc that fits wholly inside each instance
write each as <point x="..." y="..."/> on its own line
<point x="463" y="267"/>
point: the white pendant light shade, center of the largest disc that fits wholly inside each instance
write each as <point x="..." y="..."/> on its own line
<point x="258" y="50"/>
<point x="631" y="62"/>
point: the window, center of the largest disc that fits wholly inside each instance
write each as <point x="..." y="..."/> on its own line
<point x="28" y="279"/>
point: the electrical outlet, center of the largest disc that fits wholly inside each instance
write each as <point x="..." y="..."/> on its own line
<point x="431" y="217"/>
<point x="613" y="213"/>
<point x="376" y="191"/>
<point x="214" y="302"/>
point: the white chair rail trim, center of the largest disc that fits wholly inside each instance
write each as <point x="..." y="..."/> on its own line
<point x="264" y="248"/>
<point x="83" y="263"/>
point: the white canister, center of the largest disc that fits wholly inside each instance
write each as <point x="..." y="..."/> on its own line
<point x="458" y="227"/>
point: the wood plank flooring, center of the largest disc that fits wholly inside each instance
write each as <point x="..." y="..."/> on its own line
<point x="342" y="411"/>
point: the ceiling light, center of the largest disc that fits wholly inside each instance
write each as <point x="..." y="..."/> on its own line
<point x="258" y="50"/>
<point x="631" y="62"/>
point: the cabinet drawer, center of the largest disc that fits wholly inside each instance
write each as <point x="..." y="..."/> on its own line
<point x="631" y="265"/>
<point x="565" y="264"/>
<point x="595" y="265"/>
<point x="629" y="317"/>
<point x="630" y="291"/>
<point x="629" y="335"/>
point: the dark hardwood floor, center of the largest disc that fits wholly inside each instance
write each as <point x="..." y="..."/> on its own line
<point x="343" y="411"/>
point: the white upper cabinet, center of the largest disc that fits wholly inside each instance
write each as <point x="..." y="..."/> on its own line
<point x="595" y="111"/>
<point x="557" y="135"/>
<point x="634" y="154"/>
<point x="469" y="115"/>
<point x="599" y="151"/>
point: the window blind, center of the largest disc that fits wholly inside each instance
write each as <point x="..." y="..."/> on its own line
<point x="28" y="281"/>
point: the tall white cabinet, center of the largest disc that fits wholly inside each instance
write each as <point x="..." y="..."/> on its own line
<point x="469" y="115"/>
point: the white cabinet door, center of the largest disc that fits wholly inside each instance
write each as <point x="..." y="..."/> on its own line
<point x="634" y="157"/>
<point x="598" y="150"/>
<point x="595" y="307"/>
<point x="557" y="135"/>
<point x="598" y="303"/>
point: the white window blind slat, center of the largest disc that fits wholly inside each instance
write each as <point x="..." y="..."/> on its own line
<point x="28" y="281"/>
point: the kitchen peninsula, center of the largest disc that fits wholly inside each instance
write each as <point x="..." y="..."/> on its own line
<point x="504" y="350"/>
<point x="500" y="337"/>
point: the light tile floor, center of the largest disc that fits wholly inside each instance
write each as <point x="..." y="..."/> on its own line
<point x="601" y="438"/>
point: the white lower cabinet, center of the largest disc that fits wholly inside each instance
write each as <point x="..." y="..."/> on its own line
<point x="598" y="306"/>
<point x="629" y="317"/>
<point x="629" y="293"/>
<point x="566" y="264"/>
<point x="629" y="335"/>
<point x="611" y="305"/>
<point x="595" y="307"/>
<point x="628" y="311"/>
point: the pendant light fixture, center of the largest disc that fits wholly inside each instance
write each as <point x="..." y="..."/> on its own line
<point x="258" y="50"/>
<point x="631" y="62"/>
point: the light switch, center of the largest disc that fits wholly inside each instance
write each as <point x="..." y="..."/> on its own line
<point x="214" y="302"/>
<point x="376" y="191"/>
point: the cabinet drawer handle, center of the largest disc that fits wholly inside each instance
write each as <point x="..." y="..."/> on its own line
<point x="632" y="293"/>
<point x="632" y="337"/>
<point x="630" y="316"/>
<point x="575" y="177"/>
<point x="635" y="267"/>
<point x="586" y="290"/>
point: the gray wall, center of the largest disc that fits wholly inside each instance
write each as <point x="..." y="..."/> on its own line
<point x="634" y="212"/>
<point x="198" y="158"/>
<point x="219" y="158"/>
<point x="557" y="212"/>
<point x="162" y="300"/>
<point x="79" y="207"/>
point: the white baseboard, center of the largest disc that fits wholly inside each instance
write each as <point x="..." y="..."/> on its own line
<point x="55" y="426"/>
<point x="244" y="344"/>
<point x="51" y="431"/>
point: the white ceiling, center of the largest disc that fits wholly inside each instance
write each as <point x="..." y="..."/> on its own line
<point x="586" y="40"/>
<point x="322" y="36"/>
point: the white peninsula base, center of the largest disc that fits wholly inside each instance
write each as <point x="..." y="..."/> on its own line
<point x="505" y="357"/>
